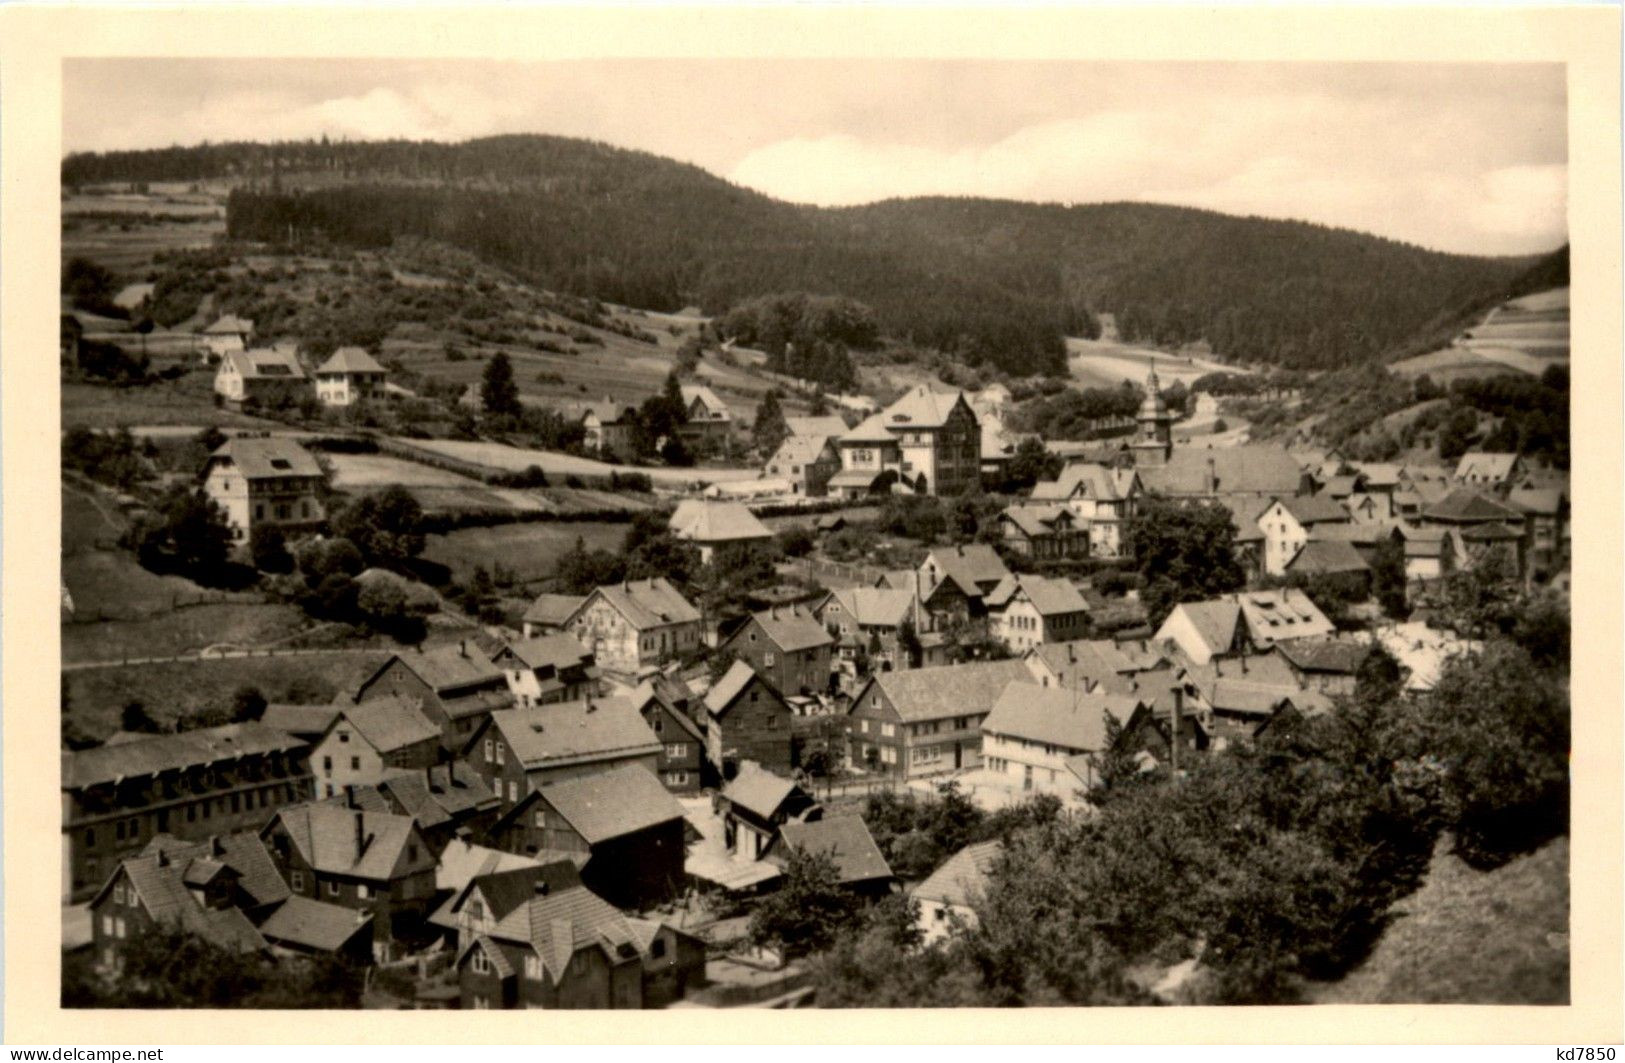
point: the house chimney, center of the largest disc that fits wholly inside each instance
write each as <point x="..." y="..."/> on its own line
<point x="361" y="838"/>
<point x="1178" y="728"/>
<point x="1212" y="476"/>
<point x="163" y="858"/>
<point x="349" y="795"/>
<point x="216" y="846"/>
<point x="462" y="647"/>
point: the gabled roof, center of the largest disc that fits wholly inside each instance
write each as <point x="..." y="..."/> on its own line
<point x="462" y="862"/>
<point x="160" y="884"/>
<point x="1313" y="509"/>
<point x="242" y="852"/>
<point x="963" y="878"/>
<point x="659" y="690"/>
<point x="350" y="360"/>
<point x="553" y="609"/>
<point x="1051" y="597"/>
<point x="612" y="804"/>
<point x="920" y="407"/>
<point x="1379" y="474"/>
<point x="968" y="564"/>
<point x="1269" y="669"/>
<point x="388" y="723"/>
<point x="645" y="603"/>
<point x="1214" y="622"/>
<point x="230" y="325"/>
<point x="438" y="794"/>
<point x="1057" y="716"/>
<point x="792" y="629"/>
<point x="724" y="691"/>
<point x="1237" y="696"/>
<point x="449" y="670"/>
<point x="950" y="690"/>
<point x="1090" y="660"/>
<point x="758" y="790"/>
<point x="693" y="393"/>
<point x="1482" y="464"/>
<point x="706" y="521"/>
<point x="844" y="838"/>
<point x="1327" y="557"/>
<point x="1288" y="613"/>
<point x="269" y="363"/>
<point x="1467" y="506"/>
<point x="328" y="838"/>
<point x="802" y="450"/>
<point x="1341" y="486"/>
<point x="264" y="457"/>
<point x="1087" y="480"/>
<point x="828" y="427"/>
<point x="875" y="606"/>
<point x="1037" y="521"/>
<point x="573" y="732"/>
<point x="1336" y="656"/>
<point x="871" y="429"/>
<point x="314" y="924"/>
<point x="1253" y="469"/>
<point x="558" y="650"/>
<point x="555" y="925"/>
<point x="176" y="752"/>
<point x="1543" y="501"/>
<point x="302" y="721"/>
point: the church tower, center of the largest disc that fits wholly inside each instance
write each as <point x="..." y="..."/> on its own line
<point x="1155" y="439"/>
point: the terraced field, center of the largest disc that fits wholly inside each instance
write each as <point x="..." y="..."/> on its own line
<point x="1524" y="335"/>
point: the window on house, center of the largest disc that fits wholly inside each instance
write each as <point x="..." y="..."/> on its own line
<point x="677" y="778"/>
<point x="119" y="926"/>
<point x="677" y="749"/>
<point x="344" y="736"/>
<point x="533" y="968"/>
<point x="90" y="838"/>
<point x="296" y="881"/>
<point x="502" y="754"/>
<point x="655" y="724"/>
<point x="513" y="792"/>
<point x="355" y="763"/>
<point x="657" y="948"/>
<point x="118" y="893"/>
<point x="332" y="888"/>
<point x="768" y="660"/>
<point x="363" y="892"/>
<point x="541" y="819"/>
<point x="479" y="963"/>
<point x="412" y="852"/>
<point x="107" y="926"/>
<point x="489" y="756"/>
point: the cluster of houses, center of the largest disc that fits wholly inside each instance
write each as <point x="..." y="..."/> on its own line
<point x="277" y="375"/>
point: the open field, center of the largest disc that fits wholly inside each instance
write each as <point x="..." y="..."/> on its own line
<point x="1524" y="335"/>
<point x="514" y="459"/>
<point x="1107" y="363"/>
<point x="531" y="551"/>
<point x="182" y="631"/>
<point x="127" y="248"/>
<point x="363" y="471"/>
<point x="1473" y="937"/>
<point x="187" y="401"/>
<point x="1451" y="363"/>
<point x="96" y="696"/>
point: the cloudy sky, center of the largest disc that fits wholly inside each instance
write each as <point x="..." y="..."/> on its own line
<point x="1459" y="157"/>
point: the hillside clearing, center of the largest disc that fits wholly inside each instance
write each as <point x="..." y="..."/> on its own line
<point x="182" y="631"/>
<point x="554" y="463"/>
<point x="530" y="551"/>
<point x="1097" y="363"/>
<point x="1472" y="937"/>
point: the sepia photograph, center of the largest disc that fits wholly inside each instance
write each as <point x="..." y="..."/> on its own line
<point x="814" y="533"/>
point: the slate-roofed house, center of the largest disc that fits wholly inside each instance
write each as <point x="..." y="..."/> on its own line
<point x="305" y="722"/>
<point x="1239" y="623"/>
<point x="547" y="668"/>
<point x="1204" y="630"/>
<point x="374" y="862"/>
<point x="1431" y="553"/>
<point x="634" y="625"/>
<point x="539" y="938"/>
<point x="268" y="376"/>
<point x="1027" y="610"/>
<point x="225" y="334"/>
<point x="1331" y="557"/>
<point x="1288" y="524"/>
<point x="867" y="622"/>
<point x="1479" y="468"/>
<point x="860" y="867"/>
<point x="952" y="890"/>
<point x="443" y="799"/>
<point x="1258" y="470"/>
<point x="1043" y="532"/>
<point x="788" y="647"/>
<point x="926" y="720"/>
<point x="520" y="750"/>
<point x="608" y="429"/>
<point x="929" y="441"/>
<point x="712" y="525"/>
<point x="550" y="613"/>
<point x="350" y="376"/>
<point x="1085" y="664"/>
<point x="1331" y="666"/>
<point x="709" y="419"/>
<point x="1100" y="496"/>
<point x="976" y="567"/>
<point x="367" y="739"/>
<point x="807" y="462"/>
<point x="1483" y="523"/>
<point x="1547" y="511"/>
<point x="747" y="718"/>
<point x="205" y="888"/>
<point x="1032" y="730"/>
<point x="624" y="819"/>
<point x="682" y="752"/>
<point x="754" y="804"/>
<point x="265" y="481"/>
<point x="308" y="927"/>
<point x="455" y="687"/>
<point x="211" y="781"/>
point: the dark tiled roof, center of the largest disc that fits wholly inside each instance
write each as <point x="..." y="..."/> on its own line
<point x="243" y="853"/>
<point x="730" y="686"/>
<point x="1051" y="597"/>
<point x="1313" y="509"/>
<point x="266" y="457"/>
<point x="350" y="360"/>
<point x="964" y="877"/>
<point x="792" y="629"/>
<point x="1256" y="469"/>
<point x="176" y="752"/>
<point x="553" y="609"/>
<point x="614" y="803"/>
<point x="1327" y="557"/>
<point x="951" y="690"/>
<point x="845" y="839"/>
<point x="1215" y="622"/>
<point x="573" y="732"/>
<point x="455" y="792"/>
<point x="647" y="603"/>
<point x="559" y="650"/>
<point x="1465" y="505"/>
<point x="327" y="837"/>
<point x="313" y="924"/>
<point x="303" y="721"/>
<point x="1326" y="655"/>
<point x="1057" y="716"/>
<point x="389" y="723"/>
<point x="758" y="790"/>
<point x="449" y="669"/>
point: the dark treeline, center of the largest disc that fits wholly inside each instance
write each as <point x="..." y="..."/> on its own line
<point x="993" y="283"/>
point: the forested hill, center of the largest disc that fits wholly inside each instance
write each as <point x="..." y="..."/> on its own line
<point x="986" y="280"/>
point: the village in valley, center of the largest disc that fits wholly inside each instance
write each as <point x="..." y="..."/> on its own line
<point x="437" y="637"/>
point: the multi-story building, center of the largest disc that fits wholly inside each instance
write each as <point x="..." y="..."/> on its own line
<point x="350" y="376"/>
<point x="546" y="669"/>
<point x="747" y="719"/>
<point x="807" y="462"/>
<point x="456" y="687"/>
<point x="1101" y="498"/>
<point x="1027" y="611"/>
<point x="709" y="421"/>
<point x="929" y="441"/>
<point x="269" y="376"/>
<point x="633" y="626"/>
<point x="520" y="750"/>
<point x="787" y="646"/>
<point x="265" y="481"/>
<point x="1034" y="731"/>
<point x="365" y="741"/>
<point x="927" y="720"/>
<point x="215" y="780"/>
<point x="682" y="753"/>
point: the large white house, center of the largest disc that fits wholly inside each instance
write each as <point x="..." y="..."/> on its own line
<point x="348" y="377"/>
<point x="928" y="441"/>
<point x="1033" y="731"/>
<point x="265" y="480"/>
